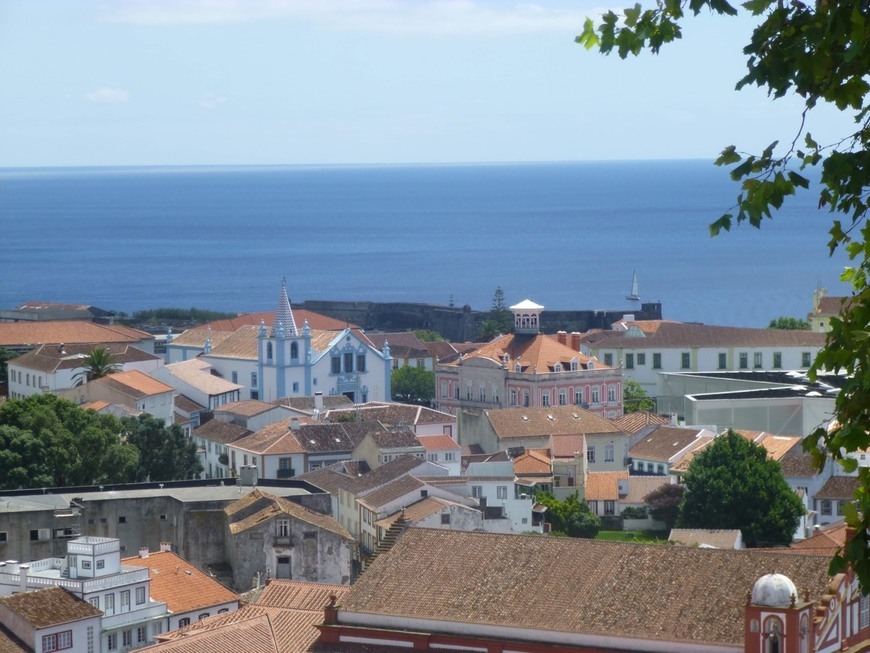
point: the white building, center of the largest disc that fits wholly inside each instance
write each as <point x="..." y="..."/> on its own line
<point x="50" y="619"/>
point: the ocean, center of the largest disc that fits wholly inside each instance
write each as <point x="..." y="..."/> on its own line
<point x="565" y="235"/>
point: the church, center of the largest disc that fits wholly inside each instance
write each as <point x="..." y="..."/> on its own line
<point x="271" y="356"/>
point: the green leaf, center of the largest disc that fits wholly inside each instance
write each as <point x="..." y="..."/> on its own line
<point x="588" y="38"/>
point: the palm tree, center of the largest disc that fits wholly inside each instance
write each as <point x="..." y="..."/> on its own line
<point x="98" y="363"/>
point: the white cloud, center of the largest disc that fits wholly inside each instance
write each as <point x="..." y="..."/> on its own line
<point x="108" y="96"/>
<point x="397" y="16"/>
<point x="211" y="101"/>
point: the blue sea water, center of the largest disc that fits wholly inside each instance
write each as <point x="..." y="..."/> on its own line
<point x="566" y="235"/>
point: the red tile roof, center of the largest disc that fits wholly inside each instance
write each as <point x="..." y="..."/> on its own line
<point x="17" y="334"/>
<point x="553" y="420"/>
<point x="135" y="383"/>
<point x="49" y="607"/>
<point x="603" y="486"/>
<point x="540" y="352"/>
<point x="181" y="585"/>
<point x="300" y="315"/>
<point x="438" y="442"/>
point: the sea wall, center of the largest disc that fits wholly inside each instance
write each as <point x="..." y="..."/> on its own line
<point x="461" y="324"/>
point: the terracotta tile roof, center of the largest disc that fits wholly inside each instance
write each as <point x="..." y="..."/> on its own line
<point x="680" y="334"/>
<point x="273" y="439"/>
<point x="134" y="383"/>
<point x="839" y="487"/>
<point x="825" y="541"/>
<point x="718" y="539"/>
<point x="438" y="443"/>
<point x="539" y="352"/>
<point x="197" y="373"/>
<point x="252" y="633"/>
<point x="603" y="486"/>
<point x="188" y="405"/>
<point x="798" y="465"/>
<point x="301" y="315"/>
<point x="420" y="510"/>
<point x="640" y="486"/>
<point x="307" y="403"/>
<point x="403" y="344"/>
<point x="95" y="406"/>
<point x="553" y="420"/>
<point x="50" y="358"/>
<point x="66" y="331"/>
<point x="532" y="463"/>
<point x="779" y="445"/>
<point x="393" y="414"/>
<point x="195" y="338"/>
<point x="179" y="584"/>
<point x="634" y="422"/>
<point x="330" y="479"/>
<point x="441" y="350"/>
<point x="387" y="472"/>
<point x="391" y="491"/>
<point x="567" y="446"/>
<point x="398" y="439"/>
<point x="49" y="607"/>
<point x="9" y="643"/>
<point x="267" y="506"/>
<point x="832" y="305"/>
<point x="242" y="343"/>
<point x="298" y="595"/>
<point x="665" y="442"/>
<point x="249" y="408"/>
<point x="582" y="582"/>
<point x="219" y="431"/>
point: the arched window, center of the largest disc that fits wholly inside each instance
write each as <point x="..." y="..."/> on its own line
<point x="294" y="351"/>
<point x="804" y="635"/>
<point x="268" y="352"/>
<point x="772" y="635"/>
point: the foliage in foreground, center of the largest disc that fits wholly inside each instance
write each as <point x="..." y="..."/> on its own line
<point x="51" y="442"/>
<point x="819" y="52"/>
<point x="664" y="503"/>
<point x="789" y="324"/>
<point x="733" y="484"/>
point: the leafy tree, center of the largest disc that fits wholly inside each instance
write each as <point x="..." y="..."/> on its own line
<point x="819" y="52"/>
<point x="427" y="335"/>
<point x="664" y="503"/>
<point x="98" y="363"/>
<point x="499" y="313"/>
<point x="571" y="517"/>
<point x="635" y="398"/>
<point x="165" y="454"/>
<point x="789" y="324"/>
<point x="488" y="330"/>
<point x="733" y="484"/>
<point x="5" y="355"/>
<point x="413" y="385"/>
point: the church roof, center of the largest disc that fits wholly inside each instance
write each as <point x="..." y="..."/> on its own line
<point x="284" y="314"/>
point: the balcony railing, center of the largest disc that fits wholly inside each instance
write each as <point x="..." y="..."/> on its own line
<point x="286" y="473"/>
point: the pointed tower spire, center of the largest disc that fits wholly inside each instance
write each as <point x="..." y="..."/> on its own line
<point x="284" y="314"/>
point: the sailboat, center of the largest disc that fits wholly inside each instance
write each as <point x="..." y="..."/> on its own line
<point x="633" y="296"/>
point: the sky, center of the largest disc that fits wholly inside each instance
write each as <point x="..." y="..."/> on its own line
<point x="273" y="82"/>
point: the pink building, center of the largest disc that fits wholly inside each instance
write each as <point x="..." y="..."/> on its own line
<point x="527" y="369"/>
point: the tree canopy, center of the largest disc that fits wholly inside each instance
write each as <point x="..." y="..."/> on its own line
<point x="413" y="385"/>
<point x="733" y="484"/>
<point x="664" y="503"/>
<point x="820" y="53"/>
<point x="98" y="363"/>
<point x="46" y="441"/>
<point x="570" y="517"/>
<point x="5" y="355"/>
<point x="789" y="324"/>
<point x="635" y="398"/>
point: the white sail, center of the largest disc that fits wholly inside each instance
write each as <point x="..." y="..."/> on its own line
<point x="635" y="294"/>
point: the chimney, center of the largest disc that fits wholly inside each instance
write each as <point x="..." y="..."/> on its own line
<point x="562" y="337"/>
<point x="575" y="340"/>
<point x="23" y="571"/>
<point x="165" y="546"/>
<point x="674" y="421"/>
<point x="143" y="552"/>
<point x="294" y="423"/>
<point x="318" y="401"/>
<point x="330" y="611"/>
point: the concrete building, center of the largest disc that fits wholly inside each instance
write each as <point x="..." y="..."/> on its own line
<point x="136" y="391"/>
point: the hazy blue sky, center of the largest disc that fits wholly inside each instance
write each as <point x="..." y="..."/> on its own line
<point x="124" y="82"/>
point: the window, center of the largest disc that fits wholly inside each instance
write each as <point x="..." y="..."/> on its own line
<point x="723" y="361"/>
<point x="590" y="454"/>
<point x="234" y="377"/>
<point x="448" y="455"/>
<point x="202" y="616"/>
<point x="125" y="600"/>
<point x="660" y="469"/>
<point x="545" y="398"/>
<point x="526" y="398"/>
<point x="444" y="389"/>
<point x="641" y="359"/>
<point x="840" y="505"/>
<point x="95" y="601"/>
<point x="283" y="527"/>
<point x="268" y="352"/>
<point x="127" y="638"/>
<point x="596" y="395"/>
<point x="756" y="360"/>
<point x="777" y="360"/>
<point x="481" y="393"/>
<point x="101" y="564"/>
<point x="806" y="359"/>
<point x="611" y="394"/>
<point x="348" y="363"/>
<point x="657" y="361"/>
<point x="296" y="386"/>
<point x="112" y="641"/>
<point x="360" y="362"/>
<point x="57" y="641"/>
<point x="445" y="518"/>
<point x="608" y="360"/>
<point x="421" y="362"/>
<point x="110" y="603"/>
<point x="685" y="360"/>
<point x="254" y="384"/>
<point x="90" y="639"/>
<point x="501" y="492"/>
<point x="744" y="360"/>
<point x="563" y="397"/>
<point x="336" y="365"/>
<point x="39" y="534"/>
<point x="140" y="595"/>
<point x="641" y="466"/>
<point x="294" y="351"/>
<point x="826" y="506"/>
<point x="608" y="453"/>
<point x="609" y="507"/>
<point x="578" y="397"/>
<point x="456" y="391"/>
<point x="86" y="564"/>
<point x="629" y="361"/>
<point x="140" y="634"/>
<point x="513" y="398"/>
<point x="184" y="622"/>
<point x="476" y="491"/>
